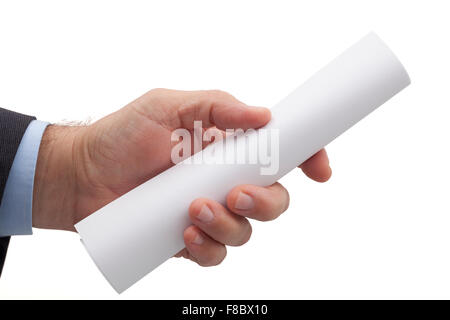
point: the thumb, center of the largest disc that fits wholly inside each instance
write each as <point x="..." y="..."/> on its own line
<point x="213" y="108"/>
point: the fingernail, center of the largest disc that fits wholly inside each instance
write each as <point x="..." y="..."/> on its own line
<point x="198" y="240"/>
<point x="244" y="202"/>
<point x="205" y="214"/>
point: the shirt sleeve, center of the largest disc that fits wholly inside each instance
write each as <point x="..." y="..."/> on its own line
<point x="17" y="202"/>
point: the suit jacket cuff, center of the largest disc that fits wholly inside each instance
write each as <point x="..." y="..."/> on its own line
<point x="17" y="202"/>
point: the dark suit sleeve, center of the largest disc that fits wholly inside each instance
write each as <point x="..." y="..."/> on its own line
<point x="12" y="128"/>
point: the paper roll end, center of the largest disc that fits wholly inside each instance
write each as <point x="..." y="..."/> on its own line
<point x="116" y="288"/>
<point x="406" y="78"/>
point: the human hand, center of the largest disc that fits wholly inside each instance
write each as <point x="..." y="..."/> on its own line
<point x="82" y="168"/>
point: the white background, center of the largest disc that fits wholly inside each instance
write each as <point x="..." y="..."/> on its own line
<point x="379" y="229"/>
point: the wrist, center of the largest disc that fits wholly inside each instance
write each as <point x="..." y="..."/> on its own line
<point x="54" y="192"/>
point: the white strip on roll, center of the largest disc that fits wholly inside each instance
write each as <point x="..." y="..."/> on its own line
<point x="134" y="234"/>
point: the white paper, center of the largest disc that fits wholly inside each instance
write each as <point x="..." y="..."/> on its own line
<point x="134" y="234"/>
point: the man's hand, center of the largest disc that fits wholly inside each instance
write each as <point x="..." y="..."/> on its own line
<point x="81" y="169"/>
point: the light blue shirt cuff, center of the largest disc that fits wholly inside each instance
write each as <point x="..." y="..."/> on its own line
<point x="17" y="201"/>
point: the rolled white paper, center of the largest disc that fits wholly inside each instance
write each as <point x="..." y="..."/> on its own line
<point x="134" y="234"/>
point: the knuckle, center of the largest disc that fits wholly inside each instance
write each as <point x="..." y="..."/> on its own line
<point x="156" y="91"/>
<point x="214" y="258"/>
<point x="268" y="215"/>
<point x="222" y="256"/>
<point x="244" y="235"/>
<point x="207" y="262"/>
<point x="270" y="212"/>
<point x="219" y="93"/>
<point x="287" y="200"/>
<point x="275" y="209"/>
<point x="153" y="97"/>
